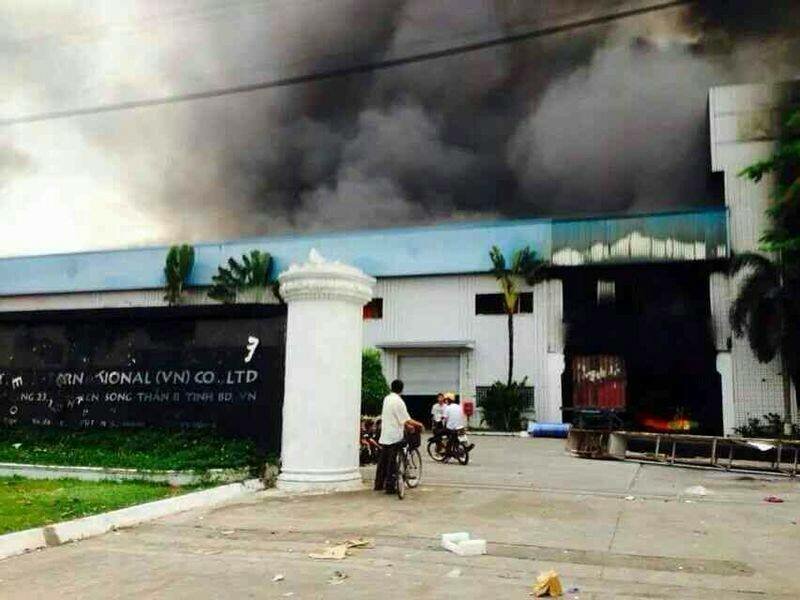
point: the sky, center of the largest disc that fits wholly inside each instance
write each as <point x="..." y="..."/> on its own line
<point x="599" y="119"/>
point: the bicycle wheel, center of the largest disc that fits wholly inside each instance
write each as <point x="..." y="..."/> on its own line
<point x="400" y="479"/>
<point x="436" y="450"/>
<point x="462" y="454"/>
<point x="413" y="468"/>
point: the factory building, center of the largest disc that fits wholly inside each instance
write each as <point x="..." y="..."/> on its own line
<point x="642" y="299"/>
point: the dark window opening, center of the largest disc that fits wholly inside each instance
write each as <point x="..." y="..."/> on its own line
<point x="494" y="304"/>
<point x="374" y="309"/>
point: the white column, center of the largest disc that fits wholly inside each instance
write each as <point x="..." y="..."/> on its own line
<point x="322" y="397"/>
<point x="553" y="402"/>
<point x="725" y="370"/>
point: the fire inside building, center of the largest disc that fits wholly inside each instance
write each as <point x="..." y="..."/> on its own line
<point x="632" y="317"/>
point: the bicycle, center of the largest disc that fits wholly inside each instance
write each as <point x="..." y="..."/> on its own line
<point x="408" y="465"/>
<point x="452" y="446"/>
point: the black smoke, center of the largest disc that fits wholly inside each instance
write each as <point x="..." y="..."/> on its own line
<point x="610" y="117"/>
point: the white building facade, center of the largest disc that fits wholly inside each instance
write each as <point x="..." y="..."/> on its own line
<point x="745" y="121"/>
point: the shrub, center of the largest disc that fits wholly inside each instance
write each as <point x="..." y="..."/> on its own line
<point x="373" y="384"/>
<point x="770" y="425"/>
<point x="503" y="405"/>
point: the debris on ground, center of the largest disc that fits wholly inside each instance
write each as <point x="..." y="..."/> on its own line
<point x="773" y="499"/>
<point x="454" y="573"/>
<point x="337" y="578"/>
<point x="697" y="490"/>
<point x="548" y="584"/>
<point x="461" y="544"/>
<point x="630" y="497"/>
<point x="278" y="577"/>
<point x="340" y="551"/>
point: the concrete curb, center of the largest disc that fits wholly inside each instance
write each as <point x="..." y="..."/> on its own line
<point x="116" y="474"/>
<point x="498" y="433"/>
<point x="20" y="542"/>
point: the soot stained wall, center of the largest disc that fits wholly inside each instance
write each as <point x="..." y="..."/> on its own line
<point x="217" y="367"/>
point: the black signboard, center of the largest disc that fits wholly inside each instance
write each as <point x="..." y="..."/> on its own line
<point x="215" y="367"/>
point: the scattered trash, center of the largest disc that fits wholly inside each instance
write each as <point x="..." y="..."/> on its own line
<point x="339" y="551"/>
<point x="688" y="501"/>
<point x="331" y="553"/>
<point x="278" y="577"/>
<point x="630" y="497"/>
<point x="454" y="573"/>
<point x="16" y="446"/>
<point x="288" y="594"/>
<point x="773" y="499"/>
<point x="207" y="552"/>
<point x="763" y="446"/>
<point x="573" y="590"/>
<point x="461" y="544"/>
<point x="227" y="532"/>
<point x="337" y="578"/>
<point x="697" y="490"/>
<point x="547" y="584"/>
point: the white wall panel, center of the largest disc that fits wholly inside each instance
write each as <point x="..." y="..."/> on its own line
<point x="744" y="120"/>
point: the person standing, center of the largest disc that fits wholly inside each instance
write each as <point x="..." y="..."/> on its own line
<point x="394" y="421"/>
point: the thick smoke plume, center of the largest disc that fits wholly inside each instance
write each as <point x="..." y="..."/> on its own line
<point x="606" y="118"/>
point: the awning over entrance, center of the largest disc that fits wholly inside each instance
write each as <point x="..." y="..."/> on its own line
<point x="428" y="344"/>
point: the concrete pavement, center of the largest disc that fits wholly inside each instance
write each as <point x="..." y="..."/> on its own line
<point x="538" y="508"/>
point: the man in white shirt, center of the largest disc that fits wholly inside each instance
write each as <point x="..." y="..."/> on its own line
<point x="455" y="420"/>
<point x="394" y="420"/>
<point x="437" y="413"/>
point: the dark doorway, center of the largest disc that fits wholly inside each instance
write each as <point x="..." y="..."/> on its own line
<point x="657" y="318"/>
<point x="419" y="407"/>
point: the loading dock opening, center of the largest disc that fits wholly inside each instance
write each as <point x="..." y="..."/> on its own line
<point x="425" y="375"/>
<point x="657" y="319"/>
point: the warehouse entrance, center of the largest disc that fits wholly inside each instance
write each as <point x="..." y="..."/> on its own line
<point x="653" y="323"/>
<point x="424" y="375"/>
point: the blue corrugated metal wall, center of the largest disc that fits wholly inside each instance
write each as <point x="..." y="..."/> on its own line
<point x="438" y="250"/>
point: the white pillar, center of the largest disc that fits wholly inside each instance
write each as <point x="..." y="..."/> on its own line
<point x="322" y="397"/>
<point x="725" y="370"/>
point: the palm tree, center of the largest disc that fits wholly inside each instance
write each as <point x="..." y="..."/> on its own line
<point x="524" y="265"/>
<point x="177" y="267"/>
<point x="254" y="274"/>
<point x="767" y="311"/>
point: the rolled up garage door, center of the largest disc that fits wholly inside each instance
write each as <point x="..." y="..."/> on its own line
<point x="429" y="375"/>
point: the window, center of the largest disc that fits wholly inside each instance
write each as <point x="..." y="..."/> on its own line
<point x="493" y="304"/>
<point x="374" y="309"/>
<point x="606" y="292"/>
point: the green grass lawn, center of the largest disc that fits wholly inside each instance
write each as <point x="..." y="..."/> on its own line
<point x="149" y="449"/>
<point x="26" y="503"/>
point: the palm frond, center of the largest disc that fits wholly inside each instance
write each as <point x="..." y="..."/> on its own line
<point x="752" y="293"/>
<point x="754" y="261"/>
